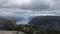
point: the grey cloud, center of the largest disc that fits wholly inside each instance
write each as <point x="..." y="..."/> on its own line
<point x="55" y="12"/>
<point x="56" y="5"/>
<point x="19" y="12"/>
<point x="34" y="5"/>
<point x="37" y="5"/>
<point x="56" y="0"/>
<point x="43" y="5"/>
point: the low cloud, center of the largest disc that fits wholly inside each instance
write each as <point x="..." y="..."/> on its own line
<point x="19" y="12"/>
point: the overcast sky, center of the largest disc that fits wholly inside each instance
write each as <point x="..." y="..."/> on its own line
<point x="29" y="7"/>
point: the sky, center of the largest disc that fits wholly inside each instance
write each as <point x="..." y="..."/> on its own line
<point x="26" y="8"/>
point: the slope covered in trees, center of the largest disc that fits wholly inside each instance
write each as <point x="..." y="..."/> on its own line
<point x="52" y="22"/>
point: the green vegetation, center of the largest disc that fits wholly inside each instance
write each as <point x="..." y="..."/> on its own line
<point x="7" y="24"/>
<point x="39" y="30"/>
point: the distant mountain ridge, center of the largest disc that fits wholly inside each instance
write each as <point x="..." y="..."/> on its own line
<point x="52" y="22"/>
<point x="12" y="18"/>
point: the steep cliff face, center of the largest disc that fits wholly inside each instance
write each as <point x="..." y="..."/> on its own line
<point x="46" y="21"/>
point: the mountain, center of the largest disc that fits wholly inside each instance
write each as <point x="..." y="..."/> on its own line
<point x="17" y="18"/>
<point x="13" y="18"/>
<point x="31" y="17"/>
<point x="52" y="22"/>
